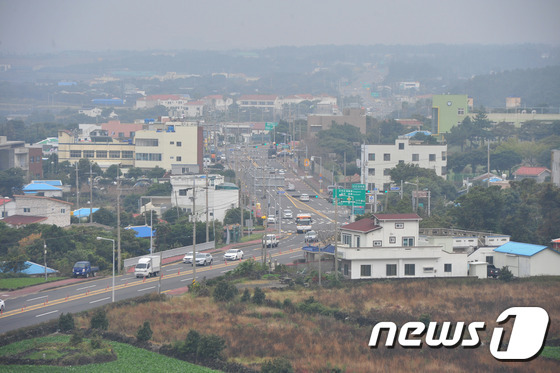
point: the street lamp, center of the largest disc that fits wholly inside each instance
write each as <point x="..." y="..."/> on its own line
<point x="320" y="172"/>
<point x="416" y="199"/>
<point x="113" y="241"/>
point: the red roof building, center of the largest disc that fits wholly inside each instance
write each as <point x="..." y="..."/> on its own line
<point x="540" y="174"/>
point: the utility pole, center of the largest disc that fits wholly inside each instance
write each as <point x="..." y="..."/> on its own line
<point x="241" y="206"/>
<point x="45" y="253"/>
<point x="194" y="229"/>
<point x="207" y="233"/>
<point x="77" y="192"/>
<point x="90" y="194"/>
<point x="119" y="218"/>
<point x="336" y="234"/>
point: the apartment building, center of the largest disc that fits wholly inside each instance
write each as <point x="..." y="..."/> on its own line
<point x="377" y="160"/>
<point x="103" y="150"/>
<point x="168" y="145"/>
<point x="448" y="111"/>
<point x="17" y="154"/>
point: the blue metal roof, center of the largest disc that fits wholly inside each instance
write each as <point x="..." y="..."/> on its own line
<point x="50" y="182"/>
<point x="36" y="269"/>
<point x="518" y="248"/>
<point x="314" y="249"/>
<point x="83" y="212"/>
<point x="142" y="231"/>
<point x="39" y="187"/>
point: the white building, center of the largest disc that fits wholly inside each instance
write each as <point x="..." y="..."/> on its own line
<point x="44" y="210"/>
<point x="7" y="207"/>
<point x="377" y="160"/>
<point x="525" y="260"/>
<point x="168" y="144"/>
<point x="386" y="247"/>
<point x="221" y="196"/>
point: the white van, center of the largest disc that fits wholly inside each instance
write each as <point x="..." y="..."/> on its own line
<point x="304" y="197"/>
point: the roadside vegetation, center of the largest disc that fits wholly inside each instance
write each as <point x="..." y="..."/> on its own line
<point x="13" y="283"/>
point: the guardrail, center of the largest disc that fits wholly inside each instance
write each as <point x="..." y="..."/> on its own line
<point x="171" y="252"/>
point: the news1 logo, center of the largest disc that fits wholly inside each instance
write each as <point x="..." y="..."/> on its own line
<point x="525" y="342"/>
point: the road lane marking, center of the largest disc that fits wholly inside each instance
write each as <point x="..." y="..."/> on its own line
<point x="100" y="300"/>
<point x="48" y="313"/>
<point x="153" y="287"/>
<point x="295" y="256"/>
<point x="86" y="287"/>
<point x="44" y="296"/>
<point x="186" y="279"/>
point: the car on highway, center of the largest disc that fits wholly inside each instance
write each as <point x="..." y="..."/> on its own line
<point x="287" y="214"/>
<point x="187" y="259"/>
<point x="2" y="305"/>
<point x="311" y="236"/>
<point x="204" y="259"/>
<point x="270" y="240"/>
<point x="304" y="197"/>
<point x="291" y="187"/>
<point x="233" y="254"/>
<point x="271" y="220"/>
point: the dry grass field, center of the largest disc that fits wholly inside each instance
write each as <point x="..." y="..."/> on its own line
<point x="321" y="342"/>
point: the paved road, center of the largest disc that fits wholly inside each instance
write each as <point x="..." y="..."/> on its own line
<point x="25" y="308"/>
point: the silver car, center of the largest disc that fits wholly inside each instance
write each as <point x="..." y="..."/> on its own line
<point x="2" y="305"/>
<point x="204" y="259"/>
<point x="311" y="236"/>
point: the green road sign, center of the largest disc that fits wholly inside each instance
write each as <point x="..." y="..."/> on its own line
<point x="269" y="126"/>
<point x="351" y="197"/>
<point x="359" y="186"/>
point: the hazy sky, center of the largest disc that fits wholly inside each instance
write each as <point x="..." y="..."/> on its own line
<point x="28" y="26"/>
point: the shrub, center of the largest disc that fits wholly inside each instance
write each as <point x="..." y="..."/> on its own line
<point x="288" y="305"/>
<point x="246" y="296"/>
<point x="76" y="339"/>
<point x="211" y="347"/>
<point x="224" y="291"/>
<point x="191" y="342"/>
<point x="96" y="342"/>
<point x="99" y="320"/>
<point x="278" y="365"/>
<point x="425" y="319"/>
<point x="258" y="296"/>
<point x="144" y="332"/>
<point x="66" y="322"/>
<point x="505" y="275"/>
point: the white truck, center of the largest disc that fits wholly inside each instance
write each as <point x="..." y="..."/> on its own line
<point x="270" y="240"/>
<point x="148" y="266"/>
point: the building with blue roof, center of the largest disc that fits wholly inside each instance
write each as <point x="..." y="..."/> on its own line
<point x="143" y="231"/>
<point x="83" y="212"/>
<point x="525" y="260"/>
<point x="34" y="269"/>
<point x="42" y="189"/>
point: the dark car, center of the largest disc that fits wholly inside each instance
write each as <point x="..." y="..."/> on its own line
<point x="493" y="271"/>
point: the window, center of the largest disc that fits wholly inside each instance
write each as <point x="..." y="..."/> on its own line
<point x="399" y="225"/>
<point x="179" y="143"/>
<point x="432" y="158"/>
<point x="391" y="270"/>
<point x="428" y="269"/>
<point x="121" y="134"/>
<point x="443" y="170"/>
<point x="409" y="269"/>
<point x="127" y="154"/>
<point x="62" y="211"/>
<point x="377" y="243"/>
<point x="401" y="145"/>
<point x="346" y="269"/>
<point x="490" y="259"/>
<point x="147" y="142"/>
<point x="156" y="157"/>
<point x="101" y="153"/>
<point x="365" y="270"/>
<point x="447" y="267"/>
<point x="443" y="156"/>
<point x="347" y="239"/>
<point x="408" y="241"/>
<point x="26" y="209"/>
<point x="88" y="153"/>
<point x="371" y="171"/>
<point x="114" y="154"/>
<point x="357" y="241"/>
<point x="386" y="157"/>
<point x="182" y="192"/>
<point x="371" y="157"/>
<point x="386" y="172"/>
<point x="392" y="239"/>
<point x="415" y="157"/>
<point x="179" y="158"/>
<point x="461" y="111"/>
<point x="171" y="142"/>
<point x="371" y="186"/>
<point x="75" y="154"/>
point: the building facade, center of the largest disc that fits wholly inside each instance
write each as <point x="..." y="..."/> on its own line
<point x="448" y="111"/>
<point x="377" y="160"/>
<point x="55" y="211"/>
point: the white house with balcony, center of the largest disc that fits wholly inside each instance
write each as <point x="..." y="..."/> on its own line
<point x="377" y="160"/>
<point x="386" y="246"/>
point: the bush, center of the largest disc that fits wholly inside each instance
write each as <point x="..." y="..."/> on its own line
<point x="99" y="320"/>
<point x="224" y="291"/>
<point x="246" y="296"/>
<point x="211" y="347"/>
<point x="76" y="339"/>
<point x="144" y="332"/>
<point x="191" y="342"/>
<point x="258" y="296"/>
<point x="425" y="319"/>
<point x="66" y="322"/>
<point x="96" y="342"/>
<point x="278" y="365"/>
<point x="505" y="275"/>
